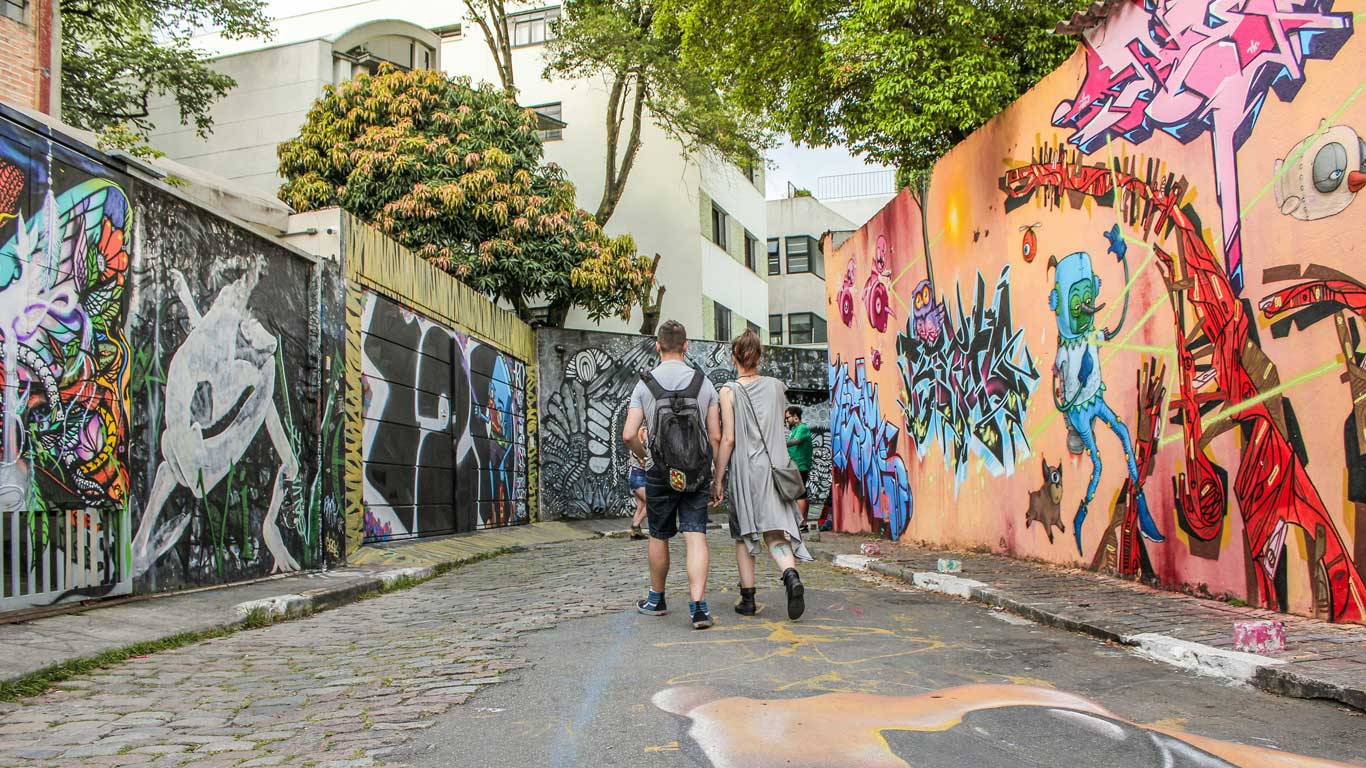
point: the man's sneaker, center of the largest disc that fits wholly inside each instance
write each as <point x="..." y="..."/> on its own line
<point x="651" y="606"/>
<point x="701" y="617"/>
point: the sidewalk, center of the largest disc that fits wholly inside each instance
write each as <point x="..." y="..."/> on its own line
<point x="38" y="643"/>
<point x="1321" y="660"/>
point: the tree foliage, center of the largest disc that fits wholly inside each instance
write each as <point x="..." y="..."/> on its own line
<point x="900" y="80"/>
<point x="454" y="173"/>
<point x="619" y="42"/>
<point x="118" y="54"/>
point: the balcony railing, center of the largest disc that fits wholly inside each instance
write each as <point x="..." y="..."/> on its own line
<point x="856" y="185"/>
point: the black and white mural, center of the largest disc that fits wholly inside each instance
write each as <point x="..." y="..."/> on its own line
<point x="586" y="380"/>
<point x="444" y="431"/>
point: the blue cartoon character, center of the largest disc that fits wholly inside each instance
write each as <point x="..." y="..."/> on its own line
<point x="1078" y="391"/>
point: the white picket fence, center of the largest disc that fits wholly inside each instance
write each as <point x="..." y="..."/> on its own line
<point x="63" y="555"/>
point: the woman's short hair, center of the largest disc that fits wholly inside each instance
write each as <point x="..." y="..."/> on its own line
<point x="747" y="349"/>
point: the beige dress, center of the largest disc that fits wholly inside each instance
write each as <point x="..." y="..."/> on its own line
<point x="754" y="503"/>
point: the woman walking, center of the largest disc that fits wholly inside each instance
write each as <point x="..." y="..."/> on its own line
<point x="753" y="444"/>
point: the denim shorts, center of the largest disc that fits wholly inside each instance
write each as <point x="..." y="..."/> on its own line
<point x="636" y="479"/>
<point x="670" y="511"/>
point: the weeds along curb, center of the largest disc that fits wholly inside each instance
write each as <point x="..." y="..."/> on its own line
<point x="257" y="617"/>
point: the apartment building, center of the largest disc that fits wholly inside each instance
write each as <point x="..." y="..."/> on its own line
<point x="795" y="264"/>
<point x="703" y="216"/>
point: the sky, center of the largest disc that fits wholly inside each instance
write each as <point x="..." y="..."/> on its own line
<point x="801" y="166"/>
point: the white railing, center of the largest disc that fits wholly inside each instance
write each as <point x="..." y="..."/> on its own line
<point x="60" y="555"/>
<point x="856" y="185"/>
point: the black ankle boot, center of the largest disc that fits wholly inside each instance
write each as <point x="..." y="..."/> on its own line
<point x="746" y="606"/>
<point x="796" y="594"/>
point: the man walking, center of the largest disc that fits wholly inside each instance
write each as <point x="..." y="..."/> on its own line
<point x="799" y="448"/>
<point x="682" y="411"/>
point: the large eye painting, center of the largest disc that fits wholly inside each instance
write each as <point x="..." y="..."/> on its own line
<point x="1330" y="165"/>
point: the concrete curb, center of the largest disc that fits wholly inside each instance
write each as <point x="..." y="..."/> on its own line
<point x="1269" y="674"/>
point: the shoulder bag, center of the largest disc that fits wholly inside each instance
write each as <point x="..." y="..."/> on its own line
<point x="787" y="480"/>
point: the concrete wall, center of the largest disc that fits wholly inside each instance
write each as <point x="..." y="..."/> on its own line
<point x="586" y="380"/>
<point x="189" y="402"/>
<point x="1134" y="342"/>
<point x="165" y="399"/>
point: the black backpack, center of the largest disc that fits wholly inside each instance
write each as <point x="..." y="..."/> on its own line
<point x="678" y="435"/>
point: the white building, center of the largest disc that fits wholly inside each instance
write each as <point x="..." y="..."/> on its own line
<point x="796" y="266"/>
<point x="706" y="218"/>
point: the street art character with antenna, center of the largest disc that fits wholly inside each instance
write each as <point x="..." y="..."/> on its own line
<point x="1078" y="390"/>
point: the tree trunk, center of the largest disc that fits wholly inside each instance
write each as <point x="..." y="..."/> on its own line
<point x="650" y="310"/>
<point x="557" y="313"/>
<point x="496" y="36"/>
<point x="614" y="184"/>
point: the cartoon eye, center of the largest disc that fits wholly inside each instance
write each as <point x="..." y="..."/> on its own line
<point x="1362" y="147"/>
<point x="1330" y="165"/>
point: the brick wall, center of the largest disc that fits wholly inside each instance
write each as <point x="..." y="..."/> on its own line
<point x="21" y="60"/>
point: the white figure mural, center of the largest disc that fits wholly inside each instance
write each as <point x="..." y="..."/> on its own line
<point x="220" y="390"/>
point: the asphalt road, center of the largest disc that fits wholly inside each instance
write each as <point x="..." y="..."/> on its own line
<point x="875" y="675"/>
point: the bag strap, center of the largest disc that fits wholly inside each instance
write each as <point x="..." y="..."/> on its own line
<point x="754" y="417"/>
<point x="694" y="387"/>
<point x="656" y="390"/>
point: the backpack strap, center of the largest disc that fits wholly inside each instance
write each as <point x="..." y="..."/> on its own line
<point x="694" y="387"/>
<point x="656" y="391"/>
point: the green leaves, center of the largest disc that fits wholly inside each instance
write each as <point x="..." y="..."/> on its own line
<point x="454" y="172"/>
<point x="118" y="54"/>
<point x="900" y="80"/>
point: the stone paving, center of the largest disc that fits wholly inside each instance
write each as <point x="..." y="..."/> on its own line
<point x="336" y="690"/>
<point x="1322" y="659"/>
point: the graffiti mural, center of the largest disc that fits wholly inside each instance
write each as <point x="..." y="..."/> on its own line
<point x="1169" y="218"/>
<point x="967" y="725"/>
<point x="65" y="227"/>
<point x="444" y="427"/>
<point x="586" y="381"/>
<point x="1187" y="68"/>
<point x="966" y="380"/>
<point x="863" y="448"/>
<point x="231" y="445"/>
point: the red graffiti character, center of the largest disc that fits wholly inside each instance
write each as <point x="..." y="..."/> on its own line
<point x="877" y="291"/>
<point x="845" y="297"/>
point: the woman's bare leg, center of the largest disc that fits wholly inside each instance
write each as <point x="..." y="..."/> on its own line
<point x="781" y="549"/>
<point x="640" y="508"/>
<point x="744" y="561"/>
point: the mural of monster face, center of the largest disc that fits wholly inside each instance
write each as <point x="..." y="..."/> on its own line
<point x="1078" y="388"/>
<point x="1324" y="175"/>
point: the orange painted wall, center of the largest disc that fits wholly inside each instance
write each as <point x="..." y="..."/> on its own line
<point x="946" y="441"/>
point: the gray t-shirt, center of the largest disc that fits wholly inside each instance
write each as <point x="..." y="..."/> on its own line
<point x="673" y="374"/>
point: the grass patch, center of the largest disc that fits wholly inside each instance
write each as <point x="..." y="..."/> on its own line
<point x="38" y="682"/>
<point x="44" y="679"/>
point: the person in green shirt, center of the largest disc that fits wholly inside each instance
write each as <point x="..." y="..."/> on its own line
<point x="799" y="448"/>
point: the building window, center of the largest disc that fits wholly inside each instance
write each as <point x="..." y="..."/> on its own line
<point x="805" y="328"/>
<point x="752" y="327"/>
<point x="13" y="9"/>
<point x="751" y="251"/>
<point x="804" y="255"/>
<point x="722" y="322"/>
<point x="720" y="222"/>
<point x="751" y="171"/>
<point x="775" y="330"/>
<point x="775" y="257"/>
<point x="533" y="27"/>
<point x="555" y="112"/>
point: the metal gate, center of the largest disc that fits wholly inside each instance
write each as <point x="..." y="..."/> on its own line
<point x="63" y="554"/>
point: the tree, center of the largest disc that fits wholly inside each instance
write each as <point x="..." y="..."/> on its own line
<point x="118" y="54"/>
<point x="901" y="81"/>
<point x="618" y="41"/>
<point x="454" y="173"/>
<point x="492" y="18"/>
